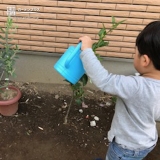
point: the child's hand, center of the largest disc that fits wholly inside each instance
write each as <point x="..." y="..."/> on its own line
<point x="86" y="42"/>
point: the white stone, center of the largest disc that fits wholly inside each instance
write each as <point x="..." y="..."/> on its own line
<point x="108" y="103"/>
<point x="80" y="110"/>
<point x="92" y="123"/>
<point x="96" y="118"/>
<point x="56" y="96"/>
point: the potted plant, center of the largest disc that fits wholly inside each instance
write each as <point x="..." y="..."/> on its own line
<point x="9" y="95"/>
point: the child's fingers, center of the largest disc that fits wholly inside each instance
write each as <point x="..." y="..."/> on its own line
<point x="81" y="38"/>
<point x="85" y="39"/>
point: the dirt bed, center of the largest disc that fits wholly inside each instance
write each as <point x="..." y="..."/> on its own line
<point x="38" y="132"/>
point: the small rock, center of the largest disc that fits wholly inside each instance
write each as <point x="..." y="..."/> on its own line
<point x="92" y="123"/>
<point x="101" y="105"/>
<point x="16" y="115"/>
<point x="80" y="110"/>
<point x="65" y="105"/>
<point x="87" y="116"/>
<point x="60" y="109"/>
<point x="105" y="138"/>
<point x="96" y="118"/>
<point x="40" y="128"/>
<point x="89" y="91"/>
<point x="85" y="145"/>
<point x="27" y="100"/>
<point x="56" y="96"/>
<point x="84" y="105"/>
<point x="108" y="103"/>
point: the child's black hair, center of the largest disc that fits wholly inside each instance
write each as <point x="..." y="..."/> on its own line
<point x="148" y="42"/>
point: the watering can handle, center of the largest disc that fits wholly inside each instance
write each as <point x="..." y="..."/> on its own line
<point x="78" y="47"/>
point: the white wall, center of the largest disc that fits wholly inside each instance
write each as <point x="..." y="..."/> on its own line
<point x="39" y="68"/>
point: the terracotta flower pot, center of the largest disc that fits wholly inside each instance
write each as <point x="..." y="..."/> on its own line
<point x="10" y="107"/>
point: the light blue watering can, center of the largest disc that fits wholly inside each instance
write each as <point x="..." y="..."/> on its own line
<point x="70" y="65"/>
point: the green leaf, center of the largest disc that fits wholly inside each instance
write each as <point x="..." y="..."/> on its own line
<point x="78" y="101"/>
<point x="84" y="79"/>
<point x="75" y="86"/>
<point x="94" y="46"/>
<point x="99" y="57"/>
<point x="121" y="22"/>
<point x="114" y="99"/>
<point x="10" y="45"/>
<point x="103" y="43"/>
<point x="1" y="37"/>
<point x="102" y="32"/>
<point x="113" y="20"/>
<point x="2" y="30"/>
<point x="14" y="75"/>
<point x="9" y="21"/>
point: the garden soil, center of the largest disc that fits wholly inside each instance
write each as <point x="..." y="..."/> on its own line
<point x="37" y="131"/>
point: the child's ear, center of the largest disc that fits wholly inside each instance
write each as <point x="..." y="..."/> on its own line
<point x="145" y="60"/>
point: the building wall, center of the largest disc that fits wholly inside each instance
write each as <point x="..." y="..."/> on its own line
<point x="51" y="26"/>
<point x="39" y="68"/>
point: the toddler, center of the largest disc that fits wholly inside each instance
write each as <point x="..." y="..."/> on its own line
<point x="133" y="132"/>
